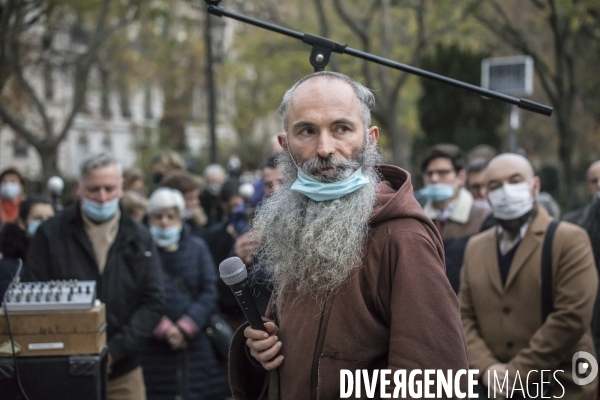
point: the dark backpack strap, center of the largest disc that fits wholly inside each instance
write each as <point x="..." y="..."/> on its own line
<point x="547" y="298"/>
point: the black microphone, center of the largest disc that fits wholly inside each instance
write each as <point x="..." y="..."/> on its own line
<point x="234" y="274"/>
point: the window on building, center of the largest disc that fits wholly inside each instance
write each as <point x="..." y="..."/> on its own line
<point x="20" y="148"/>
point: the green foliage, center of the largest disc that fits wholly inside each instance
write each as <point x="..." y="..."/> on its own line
<point x="266" y="66"/>
<point x="452" y="115"/>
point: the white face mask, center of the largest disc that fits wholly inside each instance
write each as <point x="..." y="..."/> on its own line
<point x="511" y="201"/>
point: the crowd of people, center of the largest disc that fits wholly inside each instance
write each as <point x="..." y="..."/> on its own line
<point x="155" y="260"/>
<point x="351" y="268"/>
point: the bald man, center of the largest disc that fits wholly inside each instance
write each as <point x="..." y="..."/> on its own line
<point x="356" y="267"/>
<point x="501" y="294"/>
<point x="592" y="188"/>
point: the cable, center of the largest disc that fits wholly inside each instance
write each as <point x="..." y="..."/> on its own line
<point x="10" y="335"/>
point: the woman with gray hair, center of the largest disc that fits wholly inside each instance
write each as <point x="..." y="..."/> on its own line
<point x="180" y="361"/>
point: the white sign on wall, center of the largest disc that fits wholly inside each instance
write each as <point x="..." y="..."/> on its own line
<point x="509" y="75"/>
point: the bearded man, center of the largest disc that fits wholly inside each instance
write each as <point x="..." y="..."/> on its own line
<point x="357" y="268"/>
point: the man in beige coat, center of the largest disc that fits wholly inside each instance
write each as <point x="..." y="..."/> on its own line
<point x="500" y="296"/>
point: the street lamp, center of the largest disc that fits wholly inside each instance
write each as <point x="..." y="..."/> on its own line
<point x="216" y="26"/>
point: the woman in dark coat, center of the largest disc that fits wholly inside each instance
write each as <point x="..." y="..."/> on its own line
<point x="179" y="363"/>
<point x="14" y="236"/>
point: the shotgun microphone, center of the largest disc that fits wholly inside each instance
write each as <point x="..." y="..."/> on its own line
<point x="233" y="272"/>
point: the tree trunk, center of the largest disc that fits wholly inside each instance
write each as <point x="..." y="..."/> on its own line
<point x="566" y="143"/>
<point x="49" y="159"/>
<point x="5" y="72"/>
<point x="396" y="135"/>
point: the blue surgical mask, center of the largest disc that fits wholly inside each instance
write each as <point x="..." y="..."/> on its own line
<point x="167" y="236"/>
<point x="32" y="226"/>
<point x="10" y="190"/>
<point x="320" y="191"/>
<point x="100" y="212"/>
<point x="437" y="192"/>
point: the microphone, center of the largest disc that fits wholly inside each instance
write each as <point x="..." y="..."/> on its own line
<point x="234" y="274"/>
<point x="17" y="277"/>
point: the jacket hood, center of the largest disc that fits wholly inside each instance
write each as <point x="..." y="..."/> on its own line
<point x="396" y="198"/>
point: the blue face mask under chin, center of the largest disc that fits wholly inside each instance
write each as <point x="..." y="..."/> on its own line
<point x="99" y="212"/>
<point x="32" y="226"/>
<point x="320" y="191"/>
<point x="437" y="192"/>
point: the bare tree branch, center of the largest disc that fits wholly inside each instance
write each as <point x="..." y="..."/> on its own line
<point x="351" y="21"/>
<point x="386" y="42"/>
<point x="450" y="26"/>
<point x="539" y="4"/>
<point x="84" y="64"/>
<point x="11" y="52"/>
<point x="361" y="29"/>
<point x="18" y="127"/>
<point x="420" y="46"/>
<point x="324" y="28"/>
<point x="507" y="32"/>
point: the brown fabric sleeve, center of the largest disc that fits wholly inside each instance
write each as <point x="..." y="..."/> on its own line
<point x="246" y="378"/>
<point x="425" y="328"/>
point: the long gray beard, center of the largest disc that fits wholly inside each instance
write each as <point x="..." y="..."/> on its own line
<point x="311" y="247"/>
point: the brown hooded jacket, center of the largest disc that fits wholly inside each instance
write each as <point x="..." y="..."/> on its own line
<point x="397" y="311"/>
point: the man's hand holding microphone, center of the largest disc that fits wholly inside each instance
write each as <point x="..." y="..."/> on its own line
<point x="264" y="346"/>
<point x="261" y="337"/>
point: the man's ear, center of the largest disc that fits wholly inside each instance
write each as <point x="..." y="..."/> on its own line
<point x="462" y="177"/>
<point x="373" y="134"/>
<point x="537" y="185"/>
<point x="78" y="187"/>
<point x="282" y="139"/>
<point x="120" y="186"/>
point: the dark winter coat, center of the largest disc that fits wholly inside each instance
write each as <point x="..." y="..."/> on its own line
<point x="13" y="246"/>
<point x="190" y="289"/>
<point x="130" y="286"/>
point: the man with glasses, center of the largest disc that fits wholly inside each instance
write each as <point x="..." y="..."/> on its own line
<point x="476" y="181"/>
<point x="449" y="205"/>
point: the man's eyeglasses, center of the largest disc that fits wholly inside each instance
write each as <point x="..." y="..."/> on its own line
<point x="442" y="173"/>
<point x="476" y="186"/>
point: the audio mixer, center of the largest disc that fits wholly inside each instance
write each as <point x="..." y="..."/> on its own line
<point x="51" y="296"/>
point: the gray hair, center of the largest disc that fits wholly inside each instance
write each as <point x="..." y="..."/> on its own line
<point x="163" y="198"/>
<point x="214" y="169"/>
<point x="365" y="96"/>
<point x="98" y="161"/>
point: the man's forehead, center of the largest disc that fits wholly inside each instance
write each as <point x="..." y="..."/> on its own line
<point x="504" y="168"/>
<point x="323" y="90"/>
<point x="106" y="174"/>
<point x="594" y="170"/>
<point x="439" y="162"/>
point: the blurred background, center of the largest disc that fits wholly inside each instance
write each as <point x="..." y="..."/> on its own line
<point x="138" y="77"/>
